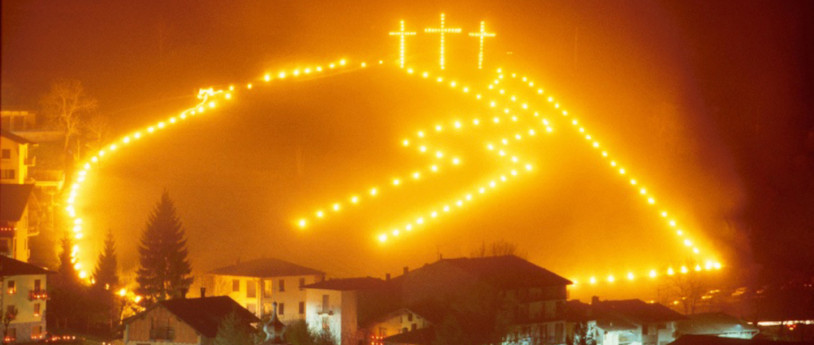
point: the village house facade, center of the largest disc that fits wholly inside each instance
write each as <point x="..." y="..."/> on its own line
<point x="339" y="306"/>
<point x="192" y="321"/>
<point x="15" y="227"/>
<point x="256" y="284"/>
<point x="23" y="295"/>
<point x="624" y="322"/>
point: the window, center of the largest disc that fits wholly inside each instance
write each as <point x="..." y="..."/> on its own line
<point x="409" y="316"/>
<point x="414" y="327"/>
<point x="12" y="287"/>
<point x="235" y="285"/>
<point x="302" y="283"/>
<point x="7" y="174"/>
<point x="302" y="307"/>
<point x="37" y="285"/>
<point x="266" y="288"/>
<point x="6" y="153"/>
<point x="404" y="330"/>
<point x="281" y="287"/>
<point x="325" y="300"/>
<point x="251" y="289"/>
<point x="281" y="308"/>
<point x="36" y="332"/>
<point x="12" y="333"/>
<point x="36" y="309"/>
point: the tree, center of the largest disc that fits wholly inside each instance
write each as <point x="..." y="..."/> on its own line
<point x="163" y="265"/>
<point x="97" y="131"/>
<point x="67" y="292"/>
<point x="106" y="273"/>
<point x="233" y="332"/>
<point x="64" y="105"/>
<point x="497" y="248"/>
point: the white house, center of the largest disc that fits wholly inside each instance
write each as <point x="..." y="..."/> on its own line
<point x="256" y="284"/>
<point x="621" y="322"/>
<point x="340" y="306"/>
<point x="14" y="221"/>
<point x="14" y="158"/>
<point x="24" y="296"/>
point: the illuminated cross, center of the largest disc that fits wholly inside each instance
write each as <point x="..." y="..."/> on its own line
<point x="442" y="30"/>
<point x="402" y="33"/>
<point x="481" y="34"/>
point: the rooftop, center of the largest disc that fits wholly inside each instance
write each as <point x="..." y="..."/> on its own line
<point x="205" y="314"/>
<point x="12" y="267"/>
<point x="14" y="198"/>
<point x="344" y="284"/>
<point x="266" y="267"/>
<point x="637" y="311"/>
<point x="507" y="271"/>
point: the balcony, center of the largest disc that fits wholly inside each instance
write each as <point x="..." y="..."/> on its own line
<point x="38" y="294"/>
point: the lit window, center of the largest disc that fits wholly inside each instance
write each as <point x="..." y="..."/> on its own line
<point x="235" y="285"/>
<point x="12" y="287"/>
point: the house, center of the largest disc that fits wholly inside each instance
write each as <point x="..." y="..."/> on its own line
<point x="717" y="324"/>
<point x="183" y="321"/>
<point x="17" y="120"/>
<point x="14" y="221"/>
<point x="537" y="295"/>
<point x="623" y="322"/>
<point x="256" y="284"/>
<point x="340" y="306"/>
<point x="23" y="295"/>
<point x="14" y="158"/>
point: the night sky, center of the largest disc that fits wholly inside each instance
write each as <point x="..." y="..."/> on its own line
<point x="710" y="101"/>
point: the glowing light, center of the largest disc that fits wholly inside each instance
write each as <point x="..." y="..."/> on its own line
<point x="481" y="35"/>
<point x="320" y="214"/>
<point x="373" y="191"/>
<point x="267" y="77"/>
<point x="383" y="238"/>
<point x="302" y="223"/>
<point x="592" y="280"/>
<point x="630" y="276"/>
<point x="396" y="182"/>
<point x="336" y="207"/>
<point x="611" y="279"/>
<point x="670" y="271"/>
<point x="402" y="35"/>
<point x="354" y="199"/>
<point x="653" y="274"/>
<point x="442" y="31"/>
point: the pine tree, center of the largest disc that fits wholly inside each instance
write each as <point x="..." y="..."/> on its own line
<point x="106" y="274"/>
<point x="68" y="275"/>
<point x="164" y="268"/>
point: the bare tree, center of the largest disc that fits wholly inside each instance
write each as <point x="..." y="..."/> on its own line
<point x="64" y="105"/>
<point x="687" y="288"/>
<point x="97" y="131"/>
<point x="497" y="248"/>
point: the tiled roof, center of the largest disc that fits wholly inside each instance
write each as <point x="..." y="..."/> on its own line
<point x="14" y="198"/>
<point x="205" y="314"/>
<point x="343" y="284"/>
<point x="638" y="311"/>
<point x="12" y="267"/>
<point x="266" y="267"/>
<point x="507" y="271"/>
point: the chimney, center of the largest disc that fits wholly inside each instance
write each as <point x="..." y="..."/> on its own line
<point x="203" y="292"/>
<point x="387" y="276"/>
<point x="594" y="300"/>
<point x="406" y="269"/>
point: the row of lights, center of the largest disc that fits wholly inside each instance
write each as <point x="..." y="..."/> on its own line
<point x="648" y="197"/>
<point x="208" y="100"/>
<point x="614" y="165"/>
